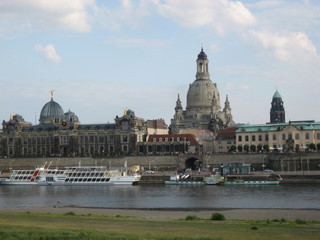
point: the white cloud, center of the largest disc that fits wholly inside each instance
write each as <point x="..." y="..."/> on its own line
<point x="137" y="42"/>
<point x="46" y="14"/>
<point x="49" y="52"/>
<point x="266" y="4"/>
<point x="232" y="86"/>
<point x="221" y="15"/>
<point x="286" y="46"/>
<point x="128" y="13"/>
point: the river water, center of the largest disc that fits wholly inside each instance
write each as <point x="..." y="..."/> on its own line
<point x="161" y="196"/>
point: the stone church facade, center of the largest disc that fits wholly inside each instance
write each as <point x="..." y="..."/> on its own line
<point x="203" y="110"/>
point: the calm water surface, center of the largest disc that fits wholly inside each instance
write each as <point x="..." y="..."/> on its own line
<point x="161" y="196"/>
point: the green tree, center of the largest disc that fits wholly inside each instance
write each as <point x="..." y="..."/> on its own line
<point x="233" y="148"/>
<point x="312" y="146"/>
<point x="259" y="147"/>
<point x="266" y="148"/>
<point x="240" y="148"/>
<point x="246" y="147"/>
<point x="318" y="146"/>
<point x="253" y="148"/>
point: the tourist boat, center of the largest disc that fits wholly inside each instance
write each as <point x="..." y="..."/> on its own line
<point x="213" y="180"/>
<point x="272" y="179"/>
<point x="188" y="180"/>
<point x="90" y="175"/>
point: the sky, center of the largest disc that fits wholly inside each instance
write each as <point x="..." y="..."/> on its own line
<point x="103" y="56"/>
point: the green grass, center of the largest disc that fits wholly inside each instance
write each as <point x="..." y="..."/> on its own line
<point x="72" y="226"/>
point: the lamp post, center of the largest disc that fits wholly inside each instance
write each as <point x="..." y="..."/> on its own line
<point x="10" y="168"/>
<point x="102" y="161"/>
<point x="150" y="163"/>
<point x="57" y="163"/>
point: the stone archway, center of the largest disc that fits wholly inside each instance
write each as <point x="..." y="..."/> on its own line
<point x="193" y="163"/>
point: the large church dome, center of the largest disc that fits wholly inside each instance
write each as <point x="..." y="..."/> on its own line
<point x="51" y="112"/>
<point x="203" y="109"/>
<point x="202" y="93"/>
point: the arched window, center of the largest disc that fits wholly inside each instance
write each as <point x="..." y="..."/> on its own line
<point x="201" y="67"/>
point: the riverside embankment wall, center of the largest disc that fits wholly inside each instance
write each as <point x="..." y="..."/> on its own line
<point x="164" y="162"/>
<point x="277" y="162"/>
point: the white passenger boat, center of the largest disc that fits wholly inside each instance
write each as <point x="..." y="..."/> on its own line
<point x="72" y="176"/>
<point x="185" y="180"/>
<point x="272" y="179"/>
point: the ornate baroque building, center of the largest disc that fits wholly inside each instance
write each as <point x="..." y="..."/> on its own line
<point x="203" y="109"/>
<point x="61" y="134"/>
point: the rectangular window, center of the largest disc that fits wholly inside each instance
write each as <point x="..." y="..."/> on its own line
<point x="111" y="138"/>
<point x="247" y="138"/>
<point x="260" y="138"/>
<point x="64" y="139"/>
<point x="101" y="139"/>
<point x="125" y="148"/>
<point x="240" y="138"/>
<point x="125" y="138"/>
<point x="10" y="141"/>
<point x="307" y="136"/>
<point x="274" y="137"/>
<point x="297" y="136"/>
<point x="253" y="137"/>
<point x="267" y="137"/>
<point x="283" y="136"/>
<point x="318" y="135"/>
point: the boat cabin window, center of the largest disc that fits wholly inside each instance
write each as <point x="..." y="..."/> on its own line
<point x="49" y="179"/>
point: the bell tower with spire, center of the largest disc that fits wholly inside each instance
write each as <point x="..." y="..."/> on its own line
<point x="277" y="113"/>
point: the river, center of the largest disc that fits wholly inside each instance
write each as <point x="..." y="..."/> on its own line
<point x="161" y="196"/>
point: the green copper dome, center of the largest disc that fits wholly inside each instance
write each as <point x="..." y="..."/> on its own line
<point x="276" y="95"/>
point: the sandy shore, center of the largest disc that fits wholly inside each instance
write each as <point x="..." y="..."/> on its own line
<point x="166" y="214"/>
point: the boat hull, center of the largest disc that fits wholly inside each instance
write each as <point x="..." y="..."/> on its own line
<point x="195" y="183"/>
<point x="45" y="183"/>
<point x="252" y="182"/>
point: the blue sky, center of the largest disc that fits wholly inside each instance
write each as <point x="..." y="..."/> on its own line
<point x="101" y="57"/>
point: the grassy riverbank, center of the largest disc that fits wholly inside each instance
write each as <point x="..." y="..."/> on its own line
<point x="75" y="226"/>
